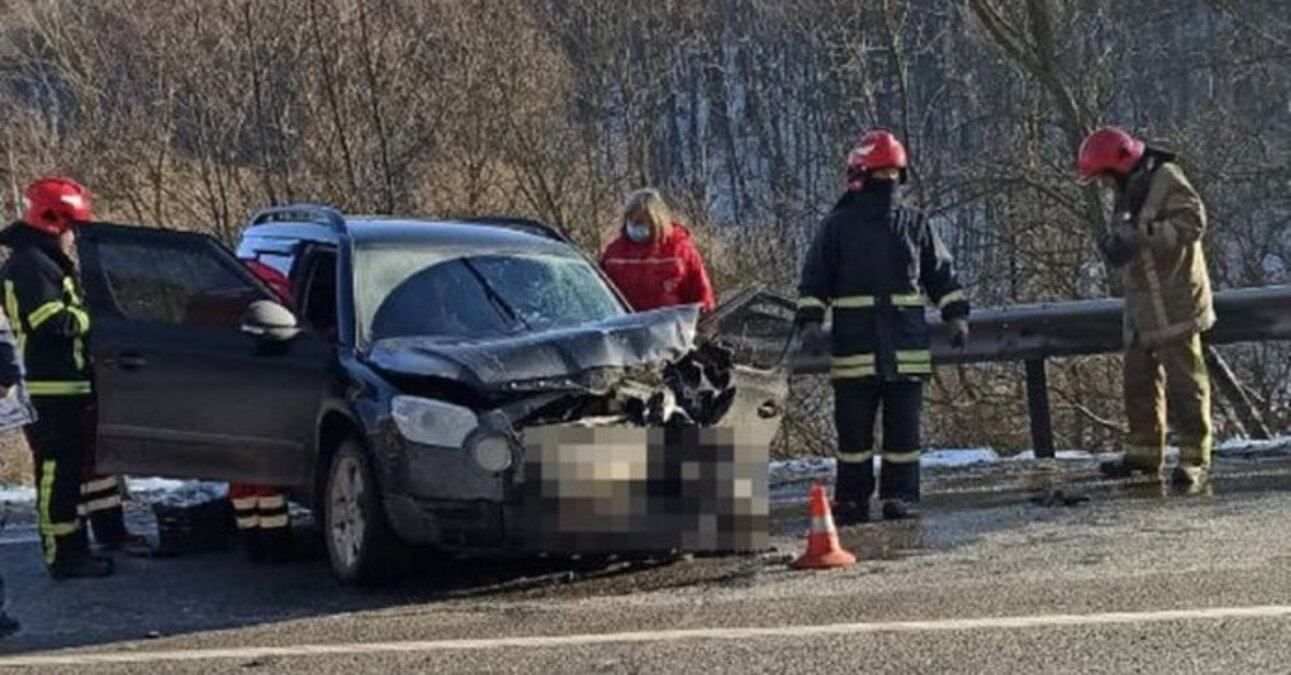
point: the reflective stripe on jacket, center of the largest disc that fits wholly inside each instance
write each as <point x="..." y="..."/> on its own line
<point x="871" y="263"/>
<point x="47" y="313"/>
<point x="1167" y="287"/>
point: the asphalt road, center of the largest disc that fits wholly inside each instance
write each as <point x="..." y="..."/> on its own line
<point x="1010" y="571"/>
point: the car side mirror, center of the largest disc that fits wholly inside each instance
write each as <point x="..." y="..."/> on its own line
<point x="270" y="321"/>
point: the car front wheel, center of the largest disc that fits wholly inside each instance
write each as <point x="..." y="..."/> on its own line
<point x="360" y="544"/>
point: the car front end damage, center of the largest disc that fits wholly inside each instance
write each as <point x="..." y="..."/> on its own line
<point x="627" y="436"/>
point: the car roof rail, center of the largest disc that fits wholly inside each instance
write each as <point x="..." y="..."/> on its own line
<point x="301" y="213"/>
<point x="522" y="224"/>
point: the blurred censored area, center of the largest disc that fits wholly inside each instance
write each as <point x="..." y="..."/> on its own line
<point x="644" y="489"/>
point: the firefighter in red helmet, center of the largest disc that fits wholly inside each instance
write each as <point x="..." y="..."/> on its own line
<point x="1154" y="240"/>
<point x="871" y="264"/>
<point x="46" y="309"/>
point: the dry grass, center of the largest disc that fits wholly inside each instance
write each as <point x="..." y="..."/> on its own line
<point x="15" y="459"/>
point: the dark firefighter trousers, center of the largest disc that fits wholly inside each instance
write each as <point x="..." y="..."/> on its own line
<point x="67" y="491"/>
<point x="857" y="403"/>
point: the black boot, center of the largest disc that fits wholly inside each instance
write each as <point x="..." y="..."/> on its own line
<point x="897" y="509"/>
<point x="82" y="566"/>
<point x="8" y="626"/>
<point x="1124" y="468"/>
<point x="278" y="544"/>
<point x="130" y="544"/>
<point x="851" y="513"/>
<point x="253" y="545"/>
<point x="1190" y="476"/>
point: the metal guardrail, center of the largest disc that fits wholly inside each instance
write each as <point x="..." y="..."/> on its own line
<point x="1027" y="333"/>
<point x="1083" y="327"/>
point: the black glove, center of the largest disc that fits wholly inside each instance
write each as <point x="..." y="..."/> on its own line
<point x="1116" y="249"/>
<point x="959" y="333"/>
<point x="1121" y="241"/>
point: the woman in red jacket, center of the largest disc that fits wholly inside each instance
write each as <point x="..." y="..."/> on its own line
<point x="653" y="261"/>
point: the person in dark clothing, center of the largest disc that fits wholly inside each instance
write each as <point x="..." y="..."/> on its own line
<point x="871" y="263"/>
<point x="46" y="310"/>
<point x="261" y="511"/>
<point x="14" y="411"/>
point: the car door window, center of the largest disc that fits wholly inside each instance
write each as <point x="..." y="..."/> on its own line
<point x="318" y="303"/>
<point x="176" y="281"/>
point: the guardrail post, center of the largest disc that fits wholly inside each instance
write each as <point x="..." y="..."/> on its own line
<point x="1038" y="407"/>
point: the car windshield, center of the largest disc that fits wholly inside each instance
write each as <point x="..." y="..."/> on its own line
<point x="439" y="293"/>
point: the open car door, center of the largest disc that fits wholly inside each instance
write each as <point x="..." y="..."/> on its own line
<point x="758" y="326"/>
<point x="182" y="390"/>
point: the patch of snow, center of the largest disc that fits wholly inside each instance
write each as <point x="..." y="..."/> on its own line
<point x="173" y="492"/>
<point x="17" y="493"/>
<point x="1063" y="455"/>
<point x="958" y="458"/>
<point x="1241" y="445"/>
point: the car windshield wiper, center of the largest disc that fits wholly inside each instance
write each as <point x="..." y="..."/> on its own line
<point x="492" y="294"/>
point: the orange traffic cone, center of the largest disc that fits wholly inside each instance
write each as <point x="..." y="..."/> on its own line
<point x="823" y="549"/>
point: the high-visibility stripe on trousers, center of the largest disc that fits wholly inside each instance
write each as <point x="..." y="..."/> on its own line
<point x="100" y="493"/>
<point x="58" y="444"/>
<point x="857" y="404"/>
<point x="260" y="507"/>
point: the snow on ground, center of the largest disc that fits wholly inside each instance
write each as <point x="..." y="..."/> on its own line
<point x="17" y="493"/>
<point x="806" y="468"/>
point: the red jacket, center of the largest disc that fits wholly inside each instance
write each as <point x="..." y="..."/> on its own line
<point x="659" y="273"/>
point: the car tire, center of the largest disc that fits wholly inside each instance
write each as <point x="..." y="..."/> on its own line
<point x="361" y="546"/>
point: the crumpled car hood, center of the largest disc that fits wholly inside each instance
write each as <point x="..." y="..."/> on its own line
<point x="504" y="362"/>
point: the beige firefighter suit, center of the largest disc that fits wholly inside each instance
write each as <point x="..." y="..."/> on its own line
<point x="1167" y="307"/>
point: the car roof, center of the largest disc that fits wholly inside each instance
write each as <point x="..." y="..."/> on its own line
<point x="499" y="233"/>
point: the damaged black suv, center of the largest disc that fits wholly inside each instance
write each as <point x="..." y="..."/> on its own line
<point x="477" y="385"/>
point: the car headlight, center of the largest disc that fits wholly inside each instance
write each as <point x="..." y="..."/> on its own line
<point x="431" y="422"/>
<point x="492" y="452"/>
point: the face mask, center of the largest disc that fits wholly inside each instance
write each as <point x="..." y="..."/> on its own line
<point x="638" y="232"/>
<point x="877" y="186"/>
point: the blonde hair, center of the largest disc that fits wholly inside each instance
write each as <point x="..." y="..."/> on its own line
<point x="647" y="205"/>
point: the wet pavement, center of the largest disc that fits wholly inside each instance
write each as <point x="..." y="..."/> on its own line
<point x="1000" y="539"/>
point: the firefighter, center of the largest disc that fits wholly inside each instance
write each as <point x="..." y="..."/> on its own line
<point x="14" y="414"/>
<point x="45" y="308"/>
<point x="654" y="261"/>
<point x="261" y="510"/>
<point x="1154" y="239"/>
<point x="871" y="263"/>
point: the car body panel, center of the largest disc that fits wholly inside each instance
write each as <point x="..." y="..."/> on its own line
<point x="544" y="359"/>
<point x="196" y="401"/>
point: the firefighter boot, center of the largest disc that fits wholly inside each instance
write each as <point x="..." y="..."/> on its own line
<point x="1129" y="468"/>
<point x="851" y="513"/>
<point x="8" y="626"/>
<point x="1190" y="476"/>
<point x="253" y="545"/>
<point x="75" y="561"/>
<point x="131" y="544"/>
<point x="278" y="545"/>
<point x="899" y="509"/>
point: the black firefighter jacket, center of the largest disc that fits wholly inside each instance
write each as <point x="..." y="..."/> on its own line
<point x="46" y="310"/>
<point x="871" y="262"/>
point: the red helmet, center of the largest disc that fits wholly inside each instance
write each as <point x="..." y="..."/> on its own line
<point x="878" y="149"/>
<point x="1108" y="149"/>
<point x="54" y="204"/>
